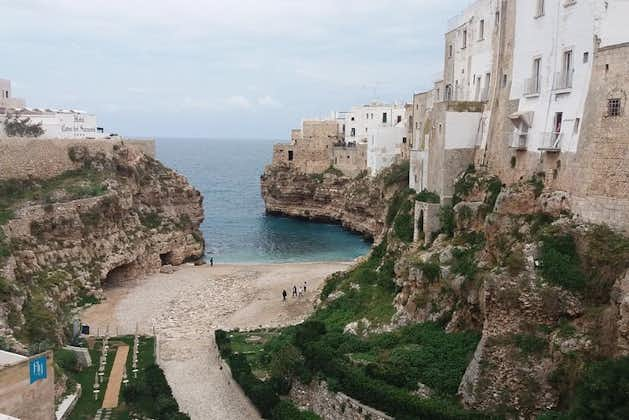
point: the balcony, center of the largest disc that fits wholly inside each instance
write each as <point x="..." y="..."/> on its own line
<point x="531" y="87"/>
<point x="550" y="142"/>
<point x="520" y="140"/>
<point x="563" y="81"/>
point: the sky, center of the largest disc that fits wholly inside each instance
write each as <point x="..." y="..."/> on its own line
<point x="219" y="69"/>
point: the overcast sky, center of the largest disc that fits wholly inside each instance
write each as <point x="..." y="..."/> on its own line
<point x="229" y="68"/>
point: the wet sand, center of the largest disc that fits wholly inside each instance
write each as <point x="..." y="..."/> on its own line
<point x="184" y="308"/>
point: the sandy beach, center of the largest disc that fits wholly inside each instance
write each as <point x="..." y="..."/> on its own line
<point x="184" y="308"/>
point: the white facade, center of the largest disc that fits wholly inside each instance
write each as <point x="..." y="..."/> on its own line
<point x="6" y="98"/>
<point x="469" y="52"/>
<point x="552" y="65"/>
<point x="382" y="127"/>
<point x="58" y="124"/>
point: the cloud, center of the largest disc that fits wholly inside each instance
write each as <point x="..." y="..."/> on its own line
<point x="238" y="101"/>
<point x="268" y="101"/>
<point x="170" y="58"/>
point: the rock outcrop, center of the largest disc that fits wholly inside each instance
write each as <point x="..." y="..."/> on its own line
<point x="121" y="216"/>
<point x="359" y="203"/>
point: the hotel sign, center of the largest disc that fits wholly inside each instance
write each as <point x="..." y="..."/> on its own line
<point x="37" y="368"/>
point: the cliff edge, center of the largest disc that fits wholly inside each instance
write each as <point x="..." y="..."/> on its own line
<point x="118" y="215"/>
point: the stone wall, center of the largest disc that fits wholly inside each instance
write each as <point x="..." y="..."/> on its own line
<point x="22" y="158"/>
<point x="351" y="160"/>
<point x="19" y="398"/>
<point x="426" y="221"/>
<point x="330" y="405"/>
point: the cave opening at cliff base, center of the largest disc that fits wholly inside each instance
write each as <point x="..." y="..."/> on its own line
<point x="121" y="274"/>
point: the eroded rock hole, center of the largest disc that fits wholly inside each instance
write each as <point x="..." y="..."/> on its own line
<point x="120" y="275"/>
<point x="167" y="258"/>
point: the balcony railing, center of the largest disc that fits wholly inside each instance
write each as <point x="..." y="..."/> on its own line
<point x="563" y="80"/>
<point x="519" y="140"/>
<point x="550" y="142"/>
<point x="531" y="86"/>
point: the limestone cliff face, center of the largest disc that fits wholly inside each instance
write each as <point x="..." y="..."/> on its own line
<point x="539" y="326"/>
<point x="123" y="215"/>
<point x="359" y="204"/>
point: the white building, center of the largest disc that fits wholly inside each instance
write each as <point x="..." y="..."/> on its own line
<point x="56" y="123"/>
<point x="59" y="124"/>
<point x="382" y="127"/>
<point x="469" y="52"/>
<point x="6" y="99"/>
<point x="552" y="65"/>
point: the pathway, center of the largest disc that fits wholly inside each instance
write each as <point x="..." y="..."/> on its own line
<point x="186" y="307"/>
<point x="115" y="378"/>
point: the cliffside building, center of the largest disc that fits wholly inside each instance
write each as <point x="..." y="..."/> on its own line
<point x="382" y="128"/>
<point x="532" y="87"/>
<point x="56" y="123"/>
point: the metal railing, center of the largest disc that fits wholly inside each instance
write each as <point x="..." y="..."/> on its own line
<point x="531" y="86"/>
<point x="550" y="142"/>
<point x="563" y="80"/>
<point x="519" y="140"/>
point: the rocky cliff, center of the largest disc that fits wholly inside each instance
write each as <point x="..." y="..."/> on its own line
<point x="63" y="239"/>
<point x="547" y="291"/>
<point x="359" y="203"/>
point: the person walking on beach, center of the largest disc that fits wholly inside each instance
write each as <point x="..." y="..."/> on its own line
<point x="304" y="288"/>
<point x="284" y="294"/>
<point x="294" y="291"/>
<point x="211" y="261"/>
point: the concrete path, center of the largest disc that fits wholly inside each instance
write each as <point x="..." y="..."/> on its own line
<point x="115" y="378"/>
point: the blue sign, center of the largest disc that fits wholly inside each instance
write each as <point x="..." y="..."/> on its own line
<point x="37" y="368"/>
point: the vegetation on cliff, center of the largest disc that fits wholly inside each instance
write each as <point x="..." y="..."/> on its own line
<point x="62" y="238"/>
<point x="534" y="293"/>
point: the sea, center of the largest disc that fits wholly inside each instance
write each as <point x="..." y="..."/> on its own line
<point x="236" y="227"/>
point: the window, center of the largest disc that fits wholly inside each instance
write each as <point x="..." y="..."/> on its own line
<point x="290" y="155"/>
<point x="586" y="57"/>
<point x="404" y="140"/>
<point x="577" y="122"/>
<point x="464" y="38"/>
<point x="399" y="119"/>
<point x="497" y="20"/>
<point x="535" y="79"/>
<point x="353" y="132"/>
<point x="353" y="119"/>
<point x="504" y="80"/>
<point x="539" y="10"/>
<point x="481" y="30"/>
<point x="450" y="50"/>
<point x="613" y="107"/>
<point x="384" y="117"/>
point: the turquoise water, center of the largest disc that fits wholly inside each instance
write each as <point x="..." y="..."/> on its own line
<point x="236" y="228"/>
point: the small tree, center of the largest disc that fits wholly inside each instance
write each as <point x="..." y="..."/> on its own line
<point x="15" y="126"/>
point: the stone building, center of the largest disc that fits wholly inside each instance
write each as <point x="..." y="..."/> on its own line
<point x="311" y="149"/>
<point x="27" y="386"/>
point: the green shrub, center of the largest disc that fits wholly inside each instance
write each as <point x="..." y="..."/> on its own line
<point x="6" y="215"/>
<point x="331" y="284"/>
<point x="403" y="223"/>
<point x="604" y="391"/>
<point x="395" y="204"/>
<point x="431" y="270"/>
<point x="40" y="322"/>
<point x="530" y="343"/>
<point x="151" y="220"/>
<point x="537" y="182"/>
<point x="397" y="174"/>
<point x="5" y="247"/>
<point x="446" y="218"/>
<point x="428" y="197"/>
<point x="560" y="263"/>
<point x="464" y="263"/>
<point x="66" y="360"/>
<point x="286" y="410"/>
<point x="334" y="171"/>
